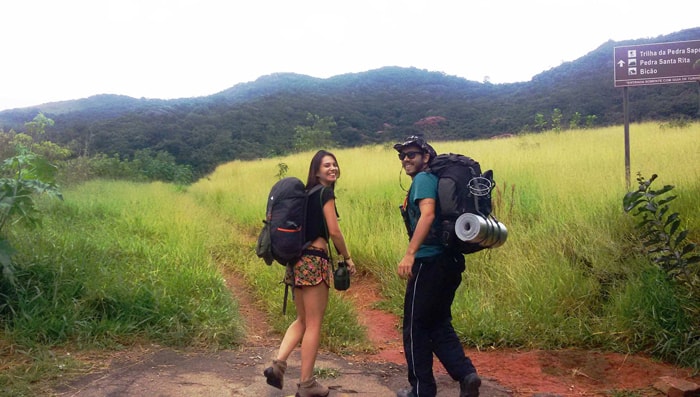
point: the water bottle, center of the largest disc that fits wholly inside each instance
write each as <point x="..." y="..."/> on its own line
<point x="341" y="277"/>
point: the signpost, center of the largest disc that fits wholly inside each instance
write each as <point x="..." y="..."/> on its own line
<point x="649" y="64"/>
<point x="661" y="63"/>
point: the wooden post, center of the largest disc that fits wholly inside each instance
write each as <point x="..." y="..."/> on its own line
<point x="625" y="107"/>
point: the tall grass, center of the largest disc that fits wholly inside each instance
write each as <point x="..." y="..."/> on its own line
<point x="121" y="261"/>
<point x="562" y="277"/>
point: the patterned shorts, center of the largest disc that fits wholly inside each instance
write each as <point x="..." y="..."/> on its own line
<point x="312" y="269"/>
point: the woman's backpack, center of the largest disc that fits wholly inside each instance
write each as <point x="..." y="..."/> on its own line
<point x="283" y="235"/>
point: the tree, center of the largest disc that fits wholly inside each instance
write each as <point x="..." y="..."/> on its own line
<point x="316" y="135"/>
<point x="556" y="119"/>
<point x="575" y="121"/>
<point x="23" y="175"/>
<point x="37" y="126"/>
<point x="161" y="166"/>
<point x="590" y="120"/>
<point x="540" y="122"/>
<point x="7" y="147"/>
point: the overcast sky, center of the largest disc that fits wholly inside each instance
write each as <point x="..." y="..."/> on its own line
<point x="56" y="50"/>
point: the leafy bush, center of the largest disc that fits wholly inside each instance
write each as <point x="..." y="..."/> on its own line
<point x="663" y="240"/>
<point x="677" y="122"/>
<point x="21" y="177"/>
<point x="146" y="166"/>
<point x="665" y="244"/>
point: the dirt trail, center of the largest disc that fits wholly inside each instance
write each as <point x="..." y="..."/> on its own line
<point x="156" y="371"/>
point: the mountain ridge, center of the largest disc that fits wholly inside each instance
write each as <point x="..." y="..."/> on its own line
<point x="259" y="118"/>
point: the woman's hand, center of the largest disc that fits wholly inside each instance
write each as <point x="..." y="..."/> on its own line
<point x="351" y="266"/>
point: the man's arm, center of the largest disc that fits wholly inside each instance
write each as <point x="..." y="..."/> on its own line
<point x="425" y="221"/>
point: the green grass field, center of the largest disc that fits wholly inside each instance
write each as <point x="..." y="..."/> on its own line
<point x="119" y="262"/>
<point x="567" y="272"/>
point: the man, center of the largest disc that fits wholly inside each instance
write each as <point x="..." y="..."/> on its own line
<point x="433" y="276"/>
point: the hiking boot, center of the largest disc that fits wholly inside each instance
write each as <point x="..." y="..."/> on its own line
<point x="311" y="388"/>
<point x="275" y="373"/>
<point x="405" y="393"/>
<point x="469" y="386"/>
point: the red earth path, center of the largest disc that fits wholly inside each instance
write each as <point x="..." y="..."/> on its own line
<point x="560" y="372"/>
<point x="523" y="372"/>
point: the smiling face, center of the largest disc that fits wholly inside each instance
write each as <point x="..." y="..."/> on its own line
<point x="414" y="160"/>
<point x="328" y="171"/>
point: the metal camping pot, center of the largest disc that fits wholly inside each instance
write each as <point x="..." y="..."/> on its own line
<point x="485" y="231"/>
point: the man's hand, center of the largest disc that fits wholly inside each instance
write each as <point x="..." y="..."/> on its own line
<point x="405" y="266"/>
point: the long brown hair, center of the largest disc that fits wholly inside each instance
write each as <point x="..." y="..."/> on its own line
<point x="315" y="165"/>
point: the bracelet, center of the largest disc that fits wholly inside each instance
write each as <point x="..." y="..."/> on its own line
<point x="347" y="258"/>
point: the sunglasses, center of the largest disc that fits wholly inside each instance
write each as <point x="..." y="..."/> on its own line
<point x="410" y="155"/>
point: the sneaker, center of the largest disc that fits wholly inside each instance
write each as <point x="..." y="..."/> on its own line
<point x="275" y="373"/>
<point x="311" y="388"/>
<point x="469" y="386"/>
<point x="405" y="393"/>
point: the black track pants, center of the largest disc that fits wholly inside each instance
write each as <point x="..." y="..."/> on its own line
<point x="427" y="323"/>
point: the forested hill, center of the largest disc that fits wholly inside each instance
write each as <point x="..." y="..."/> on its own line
<point x="259" y="118"/>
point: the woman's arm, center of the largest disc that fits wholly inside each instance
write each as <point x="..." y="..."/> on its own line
<point x="335" y="234"/>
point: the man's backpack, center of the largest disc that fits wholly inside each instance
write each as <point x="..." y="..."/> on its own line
<point x="283" y="236"/>
<point x="464" y="202"/>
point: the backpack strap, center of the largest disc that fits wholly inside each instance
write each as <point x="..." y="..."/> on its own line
<point x="286" y="296"/>
<point x="404" y="214"/>
<point x="326" y="232"/>
<point x="433" y="237"/>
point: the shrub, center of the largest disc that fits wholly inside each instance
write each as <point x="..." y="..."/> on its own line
<point x="661" y="236"/>
<point x="665" y="244"/>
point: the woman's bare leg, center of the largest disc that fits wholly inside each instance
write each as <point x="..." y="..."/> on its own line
<point x="296" y="329"/>
<point x="314" y="301"/>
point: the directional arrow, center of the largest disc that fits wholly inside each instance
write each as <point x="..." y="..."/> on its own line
<point x="621" y="63"/>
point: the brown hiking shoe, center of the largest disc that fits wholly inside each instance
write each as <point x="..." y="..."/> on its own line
<point x="275" y="373"/>
<point x="311" y="388"/>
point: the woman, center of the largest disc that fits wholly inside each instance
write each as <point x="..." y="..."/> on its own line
<point x="311" y="278"/>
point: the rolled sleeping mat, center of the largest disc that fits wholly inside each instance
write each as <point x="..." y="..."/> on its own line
<point x="477" y="229"/>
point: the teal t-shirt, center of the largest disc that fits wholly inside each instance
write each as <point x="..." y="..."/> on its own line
<point x="424" y="185"/>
